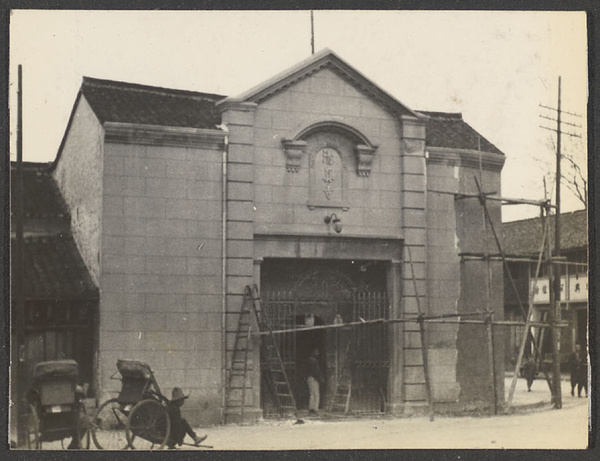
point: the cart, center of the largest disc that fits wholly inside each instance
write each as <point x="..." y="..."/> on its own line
<point x="137" y="418"/>
<point x="55" y="411"/>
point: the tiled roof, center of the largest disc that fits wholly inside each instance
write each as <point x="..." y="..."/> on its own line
<point x="53" y="269"/>
<point x="450" y="130"/>
<point x="123" y="102"/>
<point x="525" y="237"/>
<point x="41" y="196"/>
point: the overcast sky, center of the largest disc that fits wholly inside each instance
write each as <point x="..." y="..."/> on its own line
<point x="494" y="67"/>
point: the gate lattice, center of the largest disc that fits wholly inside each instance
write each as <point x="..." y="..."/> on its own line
<point x="326" y="303"/>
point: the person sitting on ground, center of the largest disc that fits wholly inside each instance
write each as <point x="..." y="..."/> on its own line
<point x="179" y="426"/>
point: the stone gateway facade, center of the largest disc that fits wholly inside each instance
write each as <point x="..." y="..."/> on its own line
<point x="317" y="186"/>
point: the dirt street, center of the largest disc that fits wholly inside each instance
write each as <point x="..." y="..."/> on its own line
<point x="533" y="424"/>
<point x="542" y="427"/>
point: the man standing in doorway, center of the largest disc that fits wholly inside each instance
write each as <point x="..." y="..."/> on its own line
<point x="315" y="378"/>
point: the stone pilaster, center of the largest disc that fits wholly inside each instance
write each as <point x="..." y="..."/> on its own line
<point x="396" y="339"/>
<point x="239" y="210"/>
<point x="414" y="226"/>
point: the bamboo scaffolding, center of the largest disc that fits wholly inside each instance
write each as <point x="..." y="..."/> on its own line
<point x="526" y="333"/>
<point x="488" y="282"/>
<point x="547" y="207"/>
<point x="497" y="257"/>
<point x="436" y="319"/>
<point x="504" y="200"/>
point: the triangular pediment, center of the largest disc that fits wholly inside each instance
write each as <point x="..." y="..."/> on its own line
<point x="325" y="59"/>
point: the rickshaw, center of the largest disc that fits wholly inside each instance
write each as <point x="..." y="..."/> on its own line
<point x="137" y="418"/>
<point x="55" y="411"/>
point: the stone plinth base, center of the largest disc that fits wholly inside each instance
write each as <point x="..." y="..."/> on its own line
<point x="251" y="416"/>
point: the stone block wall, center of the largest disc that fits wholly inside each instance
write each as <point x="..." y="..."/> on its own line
<point x="481" y="288"/>
<point x="444" y="278"/>
<point x="161" y="269"/>
<point x="79" y="177"/>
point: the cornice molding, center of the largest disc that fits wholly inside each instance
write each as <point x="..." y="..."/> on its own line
<point x="465" y="158"/>
<point x="154" y="135"/>
<point x="235" y="104"/>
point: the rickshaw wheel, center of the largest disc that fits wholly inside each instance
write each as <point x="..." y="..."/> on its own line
<point x="33" y="440"/>
<point x="108" y="426"/>
<point x="148" y="425"/>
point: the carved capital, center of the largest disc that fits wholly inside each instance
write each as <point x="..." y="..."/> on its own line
<point x="414" y="146"/>
<point x="293" y="152"/>
<point x="365" y="155"/>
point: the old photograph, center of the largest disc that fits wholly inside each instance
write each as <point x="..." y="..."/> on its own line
<point x="298" y="230"/>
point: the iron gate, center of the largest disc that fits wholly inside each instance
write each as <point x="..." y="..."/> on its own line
<point x="326" y="298"/>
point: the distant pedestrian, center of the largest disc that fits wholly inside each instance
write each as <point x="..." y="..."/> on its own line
<point x="314" y="379"/>
<point x="582" y="375"/>
<point x="574" y="368"/>
<point x="529" y="372"/>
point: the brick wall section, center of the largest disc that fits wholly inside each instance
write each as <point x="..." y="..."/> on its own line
<point x="281" y="197"/>
<point x="79" y="176"/>
<point x="161" y="269"/>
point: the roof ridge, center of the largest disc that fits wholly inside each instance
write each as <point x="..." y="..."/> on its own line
<point x="173" y="92"/>
<point x="537" y="218"/>
<point x="442" y="115"/>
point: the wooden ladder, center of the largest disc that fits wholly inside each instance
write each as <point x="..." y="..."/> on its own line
<point x="343" y="385"/>
<point x="280" y="384"/>
<point x="238" y="373"/>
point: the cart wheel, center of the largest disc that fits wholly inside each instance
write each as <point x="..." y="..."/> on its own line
<point x="108" y="426"/>
<point x="33" y="440"/>
<point x="148" y="426"/>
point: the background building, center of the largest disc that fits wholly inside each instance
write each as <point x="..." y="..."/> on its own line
<point x="60" y="299"/>
<point x="524" y="238"/>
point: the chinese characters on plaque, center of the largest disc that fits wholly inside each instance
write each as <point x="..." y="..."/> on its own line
<point x="328" y="173"/>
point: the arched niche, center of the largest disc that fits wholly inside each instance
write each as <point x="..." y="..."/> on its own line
<point x="295" y="147"/>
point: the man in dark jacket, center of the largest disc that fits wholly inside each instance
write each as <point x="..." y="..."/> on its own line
<point x="314" y="379"/>
<point x="582" y="374"/>
<point x="574" y="368"/>
<point x="529" y="371"/>
<point x="179" y="426"/>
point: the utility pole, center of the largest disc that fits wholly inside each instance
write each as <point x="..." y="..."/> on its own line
<point x="554" y="269"/>
<point x="555" y="309"/>
<point x="18" y="312"/>
<point x="312" y="32"/>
